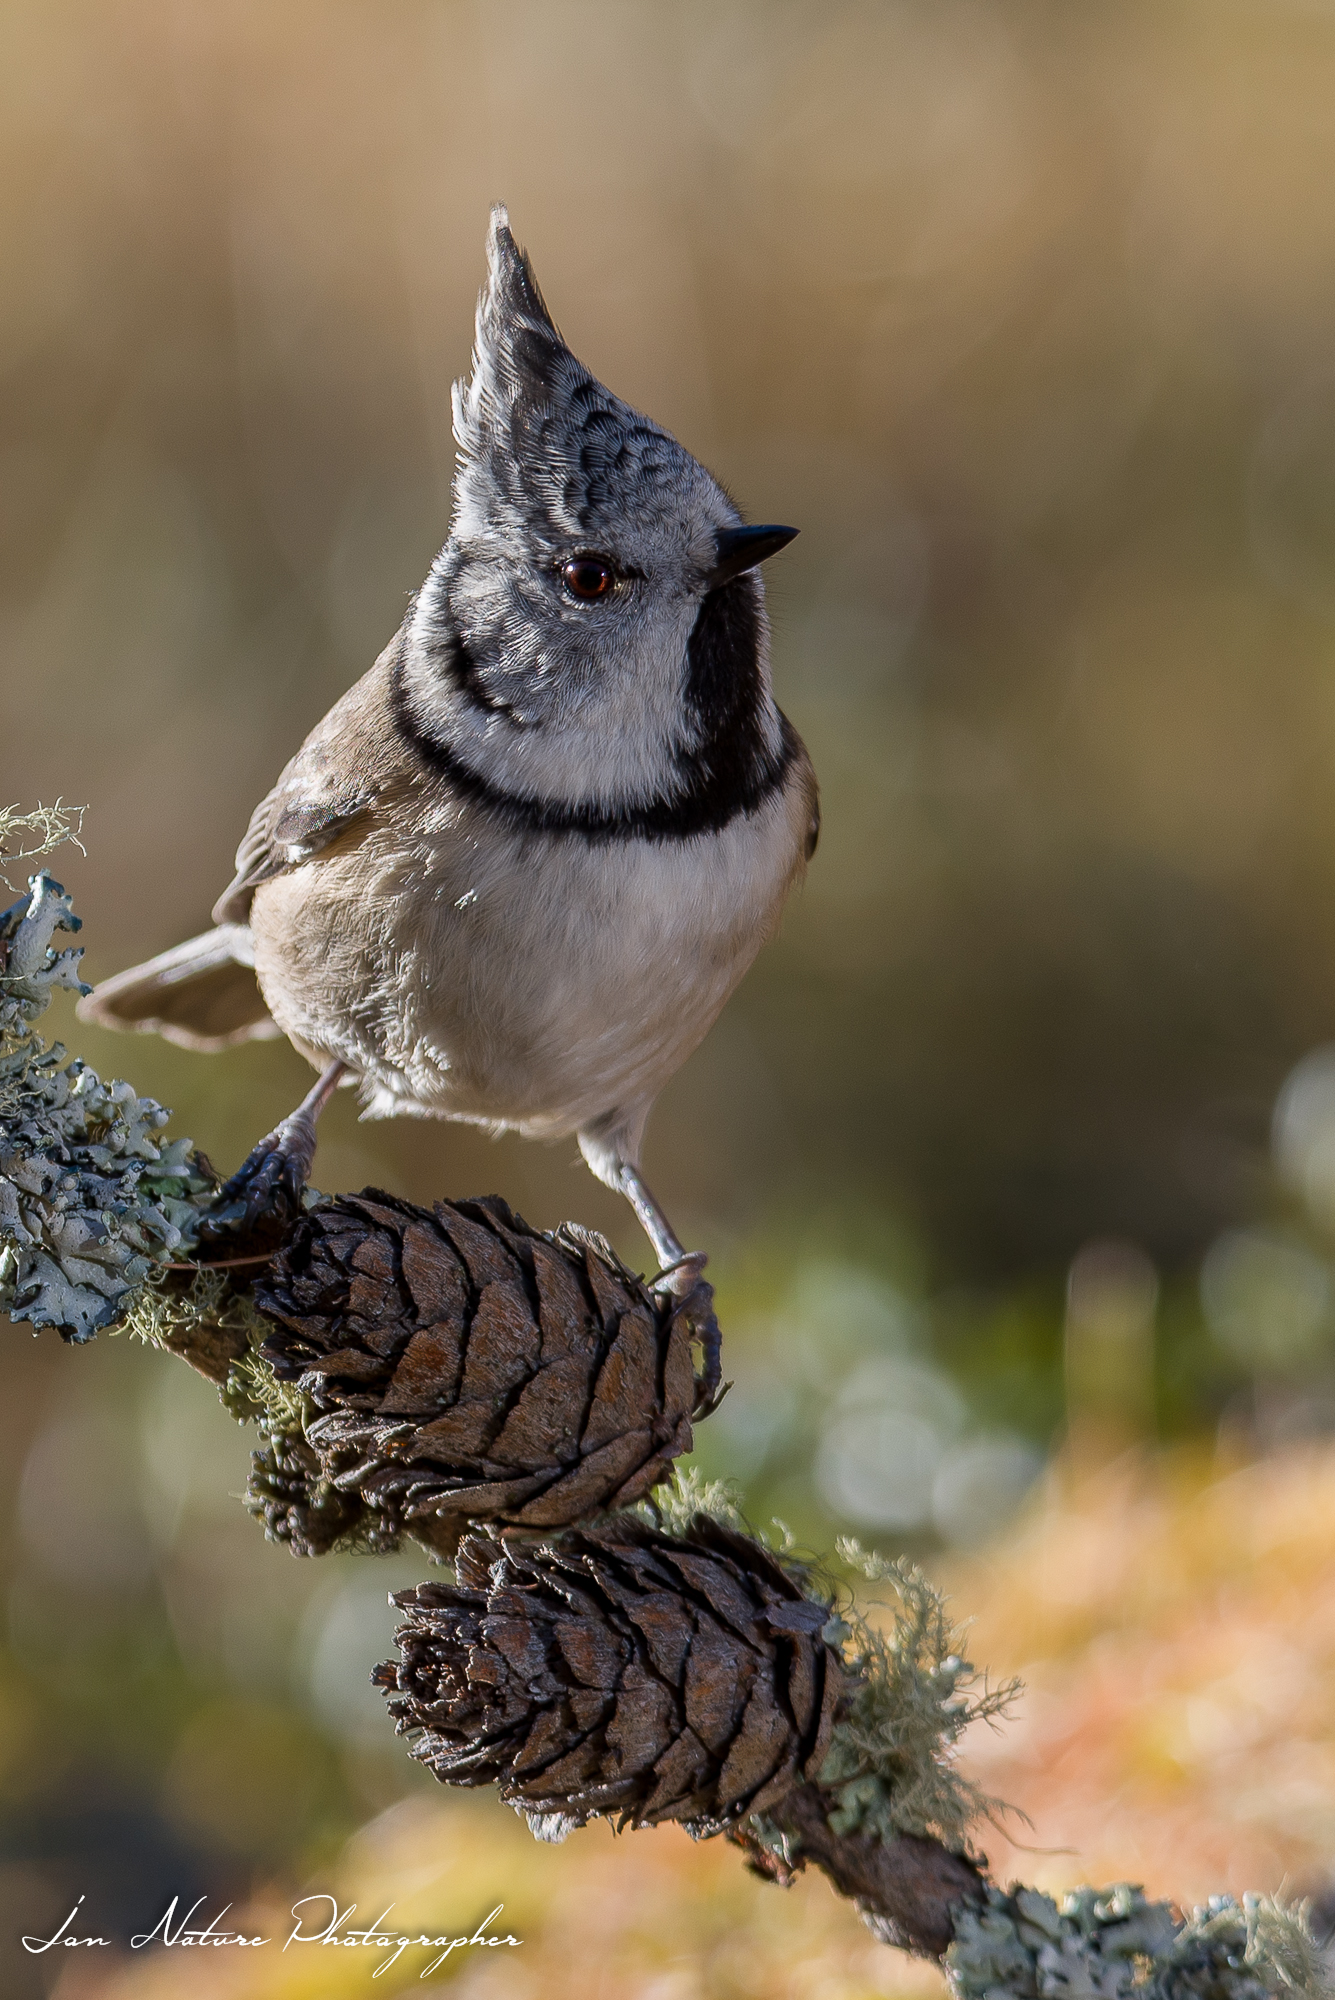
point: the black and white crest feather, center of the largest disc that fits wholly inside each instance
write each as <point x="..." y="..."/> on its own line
<point x="534" y="426"/>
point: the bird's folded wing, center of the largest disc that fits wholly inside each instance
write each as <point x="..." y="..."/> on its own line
<point x="307" y="809"/>
<point x="336" y="777"/>
<point x="204" y="993"/>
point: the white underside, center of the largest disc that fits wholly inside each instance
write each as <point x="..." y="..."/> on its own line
<point x="538" y="984"/>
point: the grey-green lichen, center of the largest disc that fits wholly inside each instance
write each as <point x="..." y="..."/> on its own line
<point x="1114" y="1944"/>
<point x="891" y="1763"/>
<point x="1238" y="1951"/>
<point x="92" y="1195"/>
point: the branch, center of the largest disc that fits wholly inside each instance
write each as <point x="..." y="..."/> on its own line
<point x="907" y="1889"/>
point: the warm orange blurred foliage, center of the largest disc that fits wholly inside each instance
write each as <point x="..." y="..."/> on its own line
<point x="1176" y="1636"/>
<point x="646" y="1917"/>
<point x="1175" y="1627"/>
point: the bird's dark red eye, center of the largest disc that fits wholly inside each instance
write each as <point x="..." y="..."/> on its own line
<point x="589" y="577"/>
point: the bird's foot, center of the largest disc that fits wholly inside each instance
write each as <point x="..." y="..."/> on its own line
<point x="271" y="1180"/>
<point x="274" y="1174"/>
<point x="684" y="1281"/>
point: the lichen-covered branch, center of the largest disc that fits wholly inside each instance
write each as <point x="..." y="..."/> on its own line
<point x="1115" y="1944"/>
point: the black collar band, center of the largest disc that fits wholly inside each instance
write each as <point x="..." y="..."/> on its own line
<point x="732" y="772"/>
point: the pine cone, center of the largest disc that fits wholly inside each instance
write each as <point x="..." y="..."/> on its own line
<point x="468" y="1367"/>
<point x="290" y="1492"/>
<point x="620" y="1671"/>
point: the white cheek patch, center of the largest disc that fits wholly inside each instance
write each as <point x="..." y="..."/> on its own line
<point x="569" y="731"/>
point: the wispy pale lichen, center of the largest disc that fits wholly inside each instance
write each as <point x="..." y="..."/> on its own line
<point x="46" y="828"/>
<point x="167" y="1318"/>
<point x="675" y="1504"/>
<point x="891" y="1763"/>
<point x="255" y="1394"/>
<point x="1238" y="1951"/>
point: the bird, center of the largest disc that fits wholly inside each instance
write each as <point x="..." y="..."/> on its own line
<point x="515" y="873"/>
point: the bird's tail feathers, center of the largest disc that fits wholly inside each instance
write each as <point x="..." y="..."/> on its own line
<point x="202" y="994"/>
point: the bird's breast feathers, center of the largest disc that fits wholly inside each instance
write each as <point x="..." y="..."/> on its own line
<point x="513" y="978"/>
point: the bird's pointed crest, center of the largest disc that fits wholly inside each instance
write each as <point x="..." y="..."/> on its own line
<point x="518" y="354"/>
<point x="544" y="448"/>
<point x="511" y="296"/>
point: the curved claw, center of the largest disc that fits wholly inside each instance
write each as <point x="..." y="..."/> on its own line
<point x="684" y="1281"/>
<point x="276" y="1170"/>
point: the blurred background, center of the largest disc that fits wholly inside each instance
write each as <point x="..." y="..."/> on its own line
<point x="1015" y="1155"/>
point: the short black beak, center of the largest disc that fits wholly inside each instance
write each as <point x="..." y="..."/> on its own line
<point x="743" y="548"/>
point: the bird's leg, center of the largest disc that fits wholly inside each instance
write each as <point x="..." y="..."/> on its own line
<point x="655" y="1224"/>
<point x="681" y="1276"/>
<point x="281" y="1163"/>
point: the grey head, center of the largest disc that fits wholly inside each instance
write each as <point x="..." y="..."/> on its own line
<point x="590" y="652"/>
